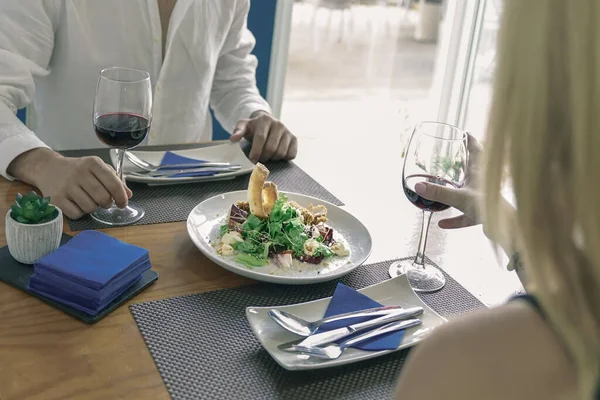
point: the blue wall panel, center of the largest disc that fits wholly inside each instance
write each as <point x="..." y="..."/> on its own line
<point x="261" y="21"/>
<point x="21" y="114"/>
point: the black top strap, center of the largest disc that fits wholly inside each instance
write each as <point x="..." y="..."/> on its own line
<point x="531" y="300"/>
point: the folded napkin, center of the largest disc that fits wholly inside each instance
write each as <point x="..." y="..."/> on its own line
<point x="92" y="258"/>
<point x="346" y="300"/>
<point x="74" y="300"/>
<point x="42" y="277"/>
<point x="171" y="158"/>
<point x="89" y="271"/>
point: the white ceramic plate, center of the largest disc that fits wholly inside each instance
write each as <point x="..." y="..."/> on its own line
<point x="205" y="220"/>
<point x="396" y="291"/>
<point x="228" y="152"/>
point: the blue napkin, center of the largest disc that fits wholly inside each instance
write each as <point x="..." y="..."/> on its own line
<point x="346" y="300"/>
<point x="73" y="299"/>
<point x="41" y="278"/>
<point x="92" y="259"/>
<point x="89" y="272"/>
<point x="172" y="158"/>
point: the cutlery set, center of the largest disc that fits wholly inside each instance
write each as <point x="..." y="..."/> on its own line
<point x="321" y="345"/>
<point x="168" y="170"/>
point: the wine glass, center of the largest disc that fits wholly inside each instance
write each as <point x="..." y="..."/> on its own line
<point x="122" y="118"/>
<point x="437" y="153"/>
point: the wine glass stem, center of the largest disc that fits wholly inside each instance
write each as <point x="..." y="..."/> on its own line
<point x="420" y="257"/>
<point x="120" y="158"/>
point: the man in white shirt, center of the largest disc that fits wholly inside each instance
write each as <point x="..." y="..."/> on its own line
<point x="51" y="52"/>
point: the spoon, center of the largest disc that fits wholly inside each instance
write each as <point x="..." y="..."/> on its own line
<point x="302" y="327"/>
<point x="333" y="351"/>
<point x="146" y="166"/>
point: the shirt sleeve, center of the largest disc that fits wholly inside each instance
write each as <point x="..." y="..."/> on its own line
<point x="234" y="94"/>
<point x="26" y="45"/>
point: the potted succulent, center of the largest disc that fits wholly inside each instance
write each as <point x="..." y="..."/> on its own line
<point x="428" y="23"/>
<point x="33" y="227"/>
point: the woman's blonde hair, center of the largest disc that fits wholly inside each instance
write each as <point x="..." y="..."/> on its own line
<point x="544" y="136"/>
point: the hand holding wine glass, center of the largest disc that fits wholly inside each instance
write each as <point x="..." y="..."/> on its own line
<point x="437" y="156"/>
<point x="122" y="118"/>
<point x="465" y="199"/>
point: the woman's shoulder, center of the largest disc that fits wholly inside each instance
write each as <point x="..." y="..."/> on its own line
<point x="505" y="352"/>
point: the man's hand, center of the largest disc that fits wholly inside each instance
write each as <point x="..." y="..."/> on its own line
<point x="271" y="140"/>
<point x="76" y="185"/>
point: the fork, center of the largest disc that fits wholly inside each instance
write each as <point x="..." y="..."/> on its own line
<point x="333" y="351"/>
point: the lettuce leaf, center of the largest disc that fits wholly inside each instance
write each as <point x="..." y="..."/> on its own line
<point x="282" y="211"/>
<point x="324" y="251"/>
<point x="253" y="223"/>
<point x="224" y="229"/>
<point x="249" y="260"/>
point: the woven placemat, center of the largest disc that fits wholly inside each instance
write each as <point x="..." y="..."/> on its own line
<point x="204" y="347"/>
<point x="173" y="203"/>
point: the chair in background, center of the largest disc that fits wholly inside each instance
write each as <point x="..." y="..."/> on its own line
<point x="342" y="6"/>
<point x="401" y="4"/>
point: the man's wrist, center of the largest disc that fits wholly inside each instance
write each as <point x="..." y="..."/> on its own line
<point x="258" y="113"/>
<point x="28" y="167"/>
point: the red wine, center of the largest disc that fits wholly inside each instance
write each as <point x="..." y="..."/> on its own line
<point x="409" y="186"/>
<point x="121" y="130"/>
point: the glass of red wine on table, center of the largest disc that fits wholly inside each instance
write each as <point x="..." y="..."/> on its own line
<point x="437" y="153"/>
<point x="122" y="117"/>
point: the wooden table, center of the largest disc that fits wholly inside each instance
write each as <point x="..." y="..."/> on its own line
<point x="46" y="354"/>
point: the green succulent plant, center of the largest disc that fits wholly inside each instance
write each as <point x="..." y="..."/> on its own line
<point x="33" y="209"/>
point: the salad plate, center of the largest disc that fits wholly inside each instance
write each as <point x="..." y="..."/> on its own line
<point x="288" y="244"/>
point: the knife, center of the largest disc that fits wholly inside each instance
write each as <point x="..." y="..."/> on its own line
<point x="168" y="173"/>
<point x="198" y="165"/>
<point x="340" y="333"/>
<point x="333" y="351"/>
<point x="285" y="320"/>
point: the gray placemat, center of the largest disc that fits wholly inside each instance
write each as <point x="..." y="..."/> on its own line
<point x="173" y="203"/>
<point x="204" y="347"/>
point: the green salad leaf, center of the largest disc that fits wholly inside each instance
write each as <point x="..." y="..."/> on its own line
<point x="324" y="251"/>
<point x="249" y="260"/>
<point x="224" y="229"/>
<point x="253" y="223"/>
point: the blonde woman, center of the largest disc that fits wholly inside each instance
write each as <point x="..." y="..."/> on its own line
<point x="543" y="136"/>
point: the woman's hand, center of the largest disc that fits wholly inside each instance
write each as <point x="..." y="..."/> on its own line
<point x="465" y="199"/>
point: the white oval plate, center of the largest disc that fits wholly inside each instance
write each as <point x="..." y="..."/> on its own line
<point x="393" y="292"/>
<point x="205" y="220"/>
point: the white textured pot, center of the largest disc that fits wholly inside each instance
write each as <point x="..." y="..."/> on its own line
<point x="29" y="243"/>
<point x="428" y="23"/>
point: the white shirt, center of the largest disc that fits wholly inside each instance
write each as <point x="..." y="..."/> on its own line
<point x="51" y="52"/>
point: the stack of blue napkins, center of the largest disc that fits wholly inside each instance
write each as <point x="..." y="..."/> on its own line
<point x="89" y="272"/>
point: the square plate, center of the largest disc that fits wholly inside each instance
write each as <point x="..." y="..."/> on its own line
<point x="227" y="152"/>
<point x="396" y="291"/>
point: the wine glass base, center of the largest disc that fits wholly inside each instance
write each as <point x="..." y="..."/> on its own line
<point x="423" y="279"/>
<point x="116" y="216"/>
